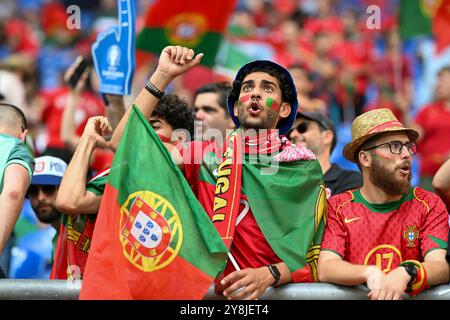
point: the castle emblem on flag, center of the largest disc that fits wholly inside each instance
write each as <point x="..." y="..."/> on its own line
<point x="187" y="29"/>
<point x="150" y="231"/>
<point x="411" y="234"/>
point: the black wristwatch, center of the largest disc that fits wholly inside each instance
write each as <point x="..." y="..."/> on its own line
<point x="275" y="273"/>
<point x="412" y="271"/>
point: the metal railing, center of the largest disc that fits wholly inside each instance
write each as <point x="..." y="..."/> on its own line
<point x="38" y="289"/>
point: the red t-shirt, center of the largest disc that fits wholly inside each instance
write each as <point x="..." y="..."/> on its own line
<point x="54" y="103"/>
<point x="434" y="147"/>
<point x="385" y="234"/>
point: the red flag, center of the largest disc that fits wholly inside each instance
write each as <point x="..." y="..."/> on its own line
<point x="441" y="26"/>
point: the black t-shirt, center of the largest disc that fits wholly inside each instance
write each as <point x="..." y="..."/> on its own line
<point x="339" y="180"/>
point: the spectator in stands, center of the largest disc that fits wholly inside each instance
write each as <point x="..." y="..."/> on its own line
<point x="210" y="105"/>
<point x="318" y="133"/>
<point x="386" y="234"/>
<point x="432" y="123"/>
<point x="16" y="169"/>
<point x="304" y="85"/>
<point x="48" y="172"/>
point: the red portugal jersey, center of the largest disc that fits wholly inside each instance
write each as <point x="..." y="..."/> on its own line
<point x="385" y="234"/>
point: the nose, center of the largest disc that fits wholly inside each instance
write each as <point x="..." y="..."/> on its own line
<point x="41" y="195"/>
<point x="200" y="115"/>
<point x="405" y="153"/>
<point x="256" y="93"/>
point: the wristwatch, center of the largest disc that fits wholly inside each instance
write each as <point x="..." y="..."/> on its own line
<point x="275" y="273"/>
<point x="412" y="271"/>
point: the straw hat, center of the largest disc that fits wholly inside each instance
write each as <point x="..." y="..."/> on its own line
<point x="372" y="123"/>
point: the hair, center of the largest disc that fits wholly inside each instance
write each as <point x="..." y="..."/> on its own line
<point x="223" y="89"/>
<point x="285" y="83"/>
<point x="303" y="68"/>
<point x="15" y="110"/>
<point x="175" y="112"/>
<point x="444" y="69"/>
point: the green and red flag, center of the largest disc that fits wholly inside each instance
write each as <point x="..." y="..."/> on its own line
<point x="196" y="24"/>
<point x="152" y="239"/>
<point x="415" y="17"/>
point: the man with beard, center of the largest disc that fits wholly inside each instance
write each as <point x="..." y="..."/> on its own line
<point x="43" y="189"/>
<point x="386" y="234"/>
<point x="260" y="192"/>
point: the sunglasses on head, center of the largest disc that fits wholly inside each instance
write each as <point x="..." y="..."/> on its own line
<point x="48" y="190"/>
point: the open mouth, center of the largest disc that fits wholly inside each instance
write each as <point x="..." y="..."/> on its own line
<point x="405" y="169"/>
<point x="254" y="109"/>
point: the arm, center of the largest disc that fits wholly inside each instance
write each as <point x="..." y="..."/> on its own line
<point x="115" y="109"/>
<point x="16" y="181"/>
<point x="436" y="267"/>
<point x="68" y="128"/>
<point x="73" y="198"/>
<point x="174" y="60"/>
<point x="250" y="284"/>
<point x="441" y="182"/>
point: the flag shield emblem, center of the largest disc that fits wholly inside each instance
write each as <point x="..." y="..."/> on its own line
<point x="151" y="233"/>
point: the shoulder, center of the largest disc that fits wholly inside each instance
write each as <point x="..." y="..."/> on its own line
<point x="341" y="199"/>
<point x="426" y="198"/>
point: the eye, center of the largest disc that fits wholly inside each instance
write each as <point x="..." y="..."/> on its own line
<point x="396" y="145"/>
<point x="268" y="88"/>
<point x="246" y="88"/>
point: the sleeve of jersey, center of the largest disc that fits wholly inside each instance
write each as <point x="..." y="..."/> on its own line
<point x="434" y="231"/>
<point x="335" y="235"/>
<point x="192" y="153"/>
<point x="97" y="185"/>
<point x="22" y="156"/>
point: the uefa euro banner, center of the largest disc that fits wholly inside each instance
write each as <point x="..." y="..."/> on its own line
<point x="196" y="24"/>
<point x="152" y="238"/>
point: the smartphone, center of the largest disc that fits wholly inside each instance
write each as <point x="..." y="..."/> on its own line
<point x="84" y="63"/>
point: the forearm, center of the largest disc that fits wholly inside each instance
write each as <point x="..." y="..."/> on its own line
<point x="72" y="191"/>
<point x="145" y="102"/>
<point x="441" y="180"/>
<point x="437" y="272"/>
<point x="67" y="132"/>
<point x="10" y="208"/>
<point x="342" y="272"/>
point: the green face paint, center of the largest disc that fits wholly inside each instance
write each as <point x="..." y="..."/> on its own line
<point x="270" y="103"/>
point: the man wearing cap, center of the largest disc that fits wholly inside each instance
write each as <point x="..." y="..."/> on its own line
<point x="386" y="234"/>
<point x="16" y="169"/>
<point x="255" y="192"/>
<point x="317" y="132"/>
<point x="43" y="189"/>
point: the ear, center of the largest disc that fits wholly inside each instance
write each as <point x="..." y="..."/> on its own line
<point x="235" y="109"/>
<point x="285" y="110"/>
<point x="179" y="136"/>
<point x="23" y="135"/>
<point x="365" y="158"/>
<point x="327" y="137"/>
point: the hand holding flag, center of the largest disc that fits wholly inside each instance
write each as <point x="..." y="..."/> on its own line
<point x="114" y="52"/>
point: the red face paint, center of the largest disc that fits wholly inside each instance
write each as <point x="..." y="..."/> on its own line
<point x="243" y="99"/>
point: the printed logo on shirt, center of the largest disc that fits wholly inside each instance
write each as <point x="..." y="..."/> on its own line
<point x="411" y="234"/>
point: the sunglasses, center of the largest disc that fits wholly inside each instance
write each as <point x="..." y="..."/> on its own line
<point x="304" y="126"/>
<point x="396" y="147"/>
<point x="48" y="190"/>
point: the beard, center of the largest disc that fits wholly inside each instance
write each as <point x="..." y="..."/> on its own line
<point x="47" y="217"/>
<point x="387" y="180"/>
<point x="248" y="122"/>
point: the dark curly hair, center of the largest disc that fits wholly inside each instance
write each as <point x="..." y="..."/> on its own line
<point x="287" y="94"/>
<point x="176" y="112"/>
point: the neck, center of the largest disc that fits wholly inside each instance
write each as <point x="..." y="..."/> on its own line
<point x="324" y="162"/>
<point x="56" y="224"/>
<point x="374" y="194"/>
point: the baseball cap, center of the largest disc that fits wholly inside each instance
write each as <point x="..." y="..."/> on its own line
<point x="48" y="170"/>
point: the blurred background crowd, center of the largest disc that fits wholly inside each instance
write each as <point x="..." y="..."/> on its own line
<point x="341" y="65"/>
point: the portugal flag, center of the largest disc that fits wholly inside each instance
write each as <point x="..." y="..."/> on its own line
<point x="441" y="26"/>
<point x="152" y="239"/>
<point x="196" y="24"/>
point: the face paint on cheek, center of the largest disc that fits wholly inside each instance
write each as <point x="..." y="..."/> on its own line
<point x="272" y="104"/>
<point x="243" y="99"/>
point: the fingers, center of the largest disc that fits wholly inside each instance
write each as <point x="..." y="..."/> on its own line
<point x="182" y="55"/>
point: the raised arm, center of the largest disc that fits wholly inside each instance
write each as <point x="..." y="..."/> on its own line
<point x="73" y="198"/>
<point x="15" y="183"/>
<point x="173" y="61"/>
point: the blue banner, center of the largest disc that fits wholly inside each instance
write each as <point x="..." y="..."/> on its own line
<point x="114" y="52"/>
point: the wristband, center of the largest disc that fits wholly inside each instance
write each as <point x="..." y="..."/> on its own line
<point x="150" y="87"/>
